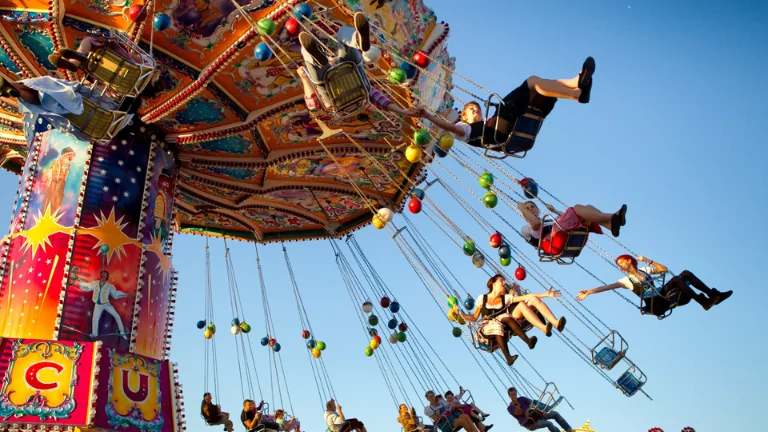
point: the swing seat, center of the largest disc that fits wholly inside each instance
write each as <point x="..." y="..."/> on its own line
<point x="652" y="295"/>
<point x="543" y="407"/>
<point x="347" y="88"/>
<point x="631" y="381"/>
<point x="526" y="326"/>
<point x="562" y="246"/>
<point x="606" y="358"/>
<point x="127" y="76"/>
<point x="609" y="351"/>
<point x="100" y="119"/>
<point x="547" y="401"/>
<point x="510" y="139"/>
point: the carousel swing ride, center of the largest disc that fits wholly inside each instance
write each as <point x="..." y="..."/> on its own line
<point x="190" y="117"/>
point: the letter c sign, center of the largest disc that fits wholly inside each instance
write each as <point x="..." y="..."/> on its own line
<point x="31" y="376"/>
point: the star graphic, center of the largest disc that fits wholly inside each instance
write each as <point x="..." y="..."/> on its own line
<point x="102" y="172"/>
<point x="117" y="180"/>
<point x="114" y="198"/>
<point x="138" y="169"/>
<point x="109" y="232"/>
<point x="125" y="194"/>
<point x="133" y="179"/>
<point x="48" y="261"/>
<point x="46" y="225"/>
<point x="100" y="159"/>
<point x="105" y="188"/>
<point x="124" y="142"/>
<point x="131" y="152"/>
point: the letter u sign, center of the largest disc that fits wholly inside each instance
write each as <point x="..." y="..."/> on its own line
<point x="139" y="395"/>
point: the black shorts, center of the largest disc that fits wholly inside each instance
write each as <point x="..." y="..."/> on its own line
<point x="350" y="424"/>
<point x="516" y="102"/>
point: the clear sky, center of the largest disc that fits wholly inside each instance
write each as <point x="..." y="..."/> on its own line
<point x="674" y="130"/>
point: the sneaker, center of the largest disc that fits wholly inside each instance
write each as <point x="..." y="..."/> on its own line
<point x="532" y="342"/>
<point x="488" y="427"/>
<point x="560" y="324"/>
<point x="585" y="80"/>
<point x="310" y="45"/>
<point x="363" y="31"/>
<point x="720" y="296"/>
<point x="548" y="330"/>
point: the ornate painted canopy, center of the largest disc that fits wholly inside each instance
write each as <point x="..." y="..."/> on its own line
<point x="250" y="163"/>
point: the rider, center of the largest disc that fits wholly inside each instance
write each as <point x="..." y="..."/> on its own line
<point x="572" y="218"/>
<point x="520" y="409"/>
<point x="213" y="414"/>
<point x="337" y="422"/>
<point x="444" y="420"/>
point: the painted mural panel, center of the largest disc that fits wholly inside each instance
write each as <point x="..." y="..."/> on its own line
<point x="154" y="302"/>
<point x="157" y="218"/>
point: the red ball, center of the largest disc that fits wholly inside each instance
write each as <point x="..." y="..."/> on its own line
<point x="558" y="242"/>
<point x="520" y="273"/>
<point x="385" y="302"/>
<point x="403" y="327"/>
<point x="305" y="334"/>
<point x="414" y="205"/>
<point x="378" y="338"/>
<point x="420" y="59"/>
<point x="272" y="342"/>
<point x="496" y="240"/>
<point x="137" y="13"/>
<point x="292" y="27"/>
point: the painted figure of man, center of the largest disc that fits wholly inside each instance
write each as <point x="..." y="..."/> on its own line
<point x="102" y="291"/>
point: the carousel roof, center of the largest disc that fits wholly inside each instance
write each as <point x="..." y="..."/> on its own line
<point x="250" y="163"/>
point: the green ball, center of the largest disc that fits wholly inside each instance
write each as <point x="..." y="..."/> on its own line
<point x="373" y="320"/>
<point x="245" y="327"/>
<point x="505" y="261"/>
<point x="490" y="199"/>
<point x="401" y="337"/>
<point x="485" y="180"/>
<point x="321" y="345"/>
<point x="396" y="76"/>
<point x="456" y="332"/>
<point x="212" y="327"/>
<point x="469" y="248"/>
<point x="452" y="301"/>
<point x="266" y="27"/>
<point x="368" y="351"/>
<point x="421" y="137"/>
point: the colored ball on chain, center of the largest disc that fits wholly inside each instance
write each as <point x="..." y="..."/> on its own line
<point x="403" y="327"/>
<point x="262" y="52"/>
<point x="292" y="27"/>
<point x="461" y="320"/>
<point x="401" y="337"/>
<point x="414" y="205"/>
<point x="478" y="260"/>
<point x="367" y="307"/>
<point x="302" y="11"/>
<point x="386" y="214"/>
<point x="393" y="338"/>
<point x="235" y="329"/>
<point x="421" y="137"/>
<point x="368" y="351"/>
<point x="495" y="240"/>
<point x="452" y="301"/>
<point x="235" y="321"/>
<point x="272" y="342"/>
<point x="137" y="13"/>
<point x="321" y="345"/>
<point x="469" y="248"/>
<point x="373" y="320"/>
<point x="456" y="332"/>
<point x="530" y="188"/>
<point x="505" y="251"/>
<point x="505" y="261"/>
<point x="266" y="27"/>
<point x="485" y="180"/>
<point x="377" y="338"/>
<point x="392" y="324"/>
<point x="245" y="327"/>
<point x="396" y="76"/>
<point x="200" y="324"/>
<point x="420" y="59"/>
<point x="104" y="249"/>
<point x="418" y="193"/>
<point x="276" y="347"/>
<point x="520" y="273"/>
<point x="161" y="22"/>
<point x="264" y="341"/>
<point x="372" y="55"/>
<point x="316" y="353"/>
<point x="453" y="315"/>
<point x="311" y="344"/>
<point x="377" y="222"/>
<point x="445" y="142"/>
<point x="305" y="334"/>
<point x="373" y="332"/>
<point x="409" y="69"/>
<point x="385" y="301"/>
<point x="437" y="151"/>
<point x="394" y="307"/>
<point x="413" y="153"/>
<point x="490" y="199"/>
<point x="469" y="303"/>
<point x="208" y="334"/>
<point x="373" y="344"/>
<point x="212" y="328"/>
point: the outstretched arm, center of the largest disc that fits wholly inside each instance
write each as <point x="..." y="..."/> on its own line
<point x="395" y="108"/>
<point x="583" y="294"/>
<point x="553" y="293"/>
<point x="658" y="268"/>
<point x="440" y="122"/>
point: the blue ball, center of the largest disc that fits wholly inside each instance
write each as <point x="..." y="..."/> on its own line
<point x="394" y="307"/>
<point x="264" y="341"/>
<point x="311" y="343"/>
<point x="418" y="193"/>
<point x="161" y="21"/>
<point x="262" y="52"/>
<point x="439" y="152"/>
<point x="201" y="324"/>
<point x="392" y="323"/>
<point x="235" y="321"/>
<point x="469" y="304"/>
<point x="104" y="249"/>
<point x="276" y="347"/>
<point x="373" y="332"/>
<point x="302" y="11"/>
<point x="505" y="251"/>
<point x="409" y="69"/>
<point x="530" y="188"/>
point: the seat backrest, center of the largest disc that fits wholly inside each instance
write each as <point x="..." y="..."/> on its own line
<point x="629" y="383"/>
<point x="347" y="89"/>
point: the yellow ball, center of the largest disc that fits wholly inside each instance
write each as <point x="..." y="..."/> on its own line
<point x="460" y="319"/>
<point x="374" y="344"/>
<point x="413" y="153"/>
<point x="316" y="353"/>
<point x="208" y="334"/>
<point x="453" y="315"/>
<point x="378" y="222"/>
<point x="446" y="142"/>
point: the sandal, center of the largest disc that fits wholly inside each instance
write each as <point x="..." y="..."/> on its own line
<point x="511" y="360"/>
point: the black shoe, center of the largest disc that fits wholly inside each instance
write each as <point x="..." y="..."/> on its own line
<point x="308" y="43"/>
<point x="532" y="342"/>
<point x="364" y="30"/>
<point x="615" y="225"/>
<point x="585" y="79"/>
<point x="560" y="324"/>
<point x="72" y="54"/>
<point x="511" y="360"/>
<point x="548" y="330"/>
<point x="720" y="296"/>
<point x="488" y="427"/>
<point x="7" y="89"/>
<point x="60" y="63"/>
<point x="623" y="215"/>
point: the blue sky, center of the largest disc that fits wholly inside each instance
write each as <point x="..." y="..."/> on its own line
<point x="673" y="130"/>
